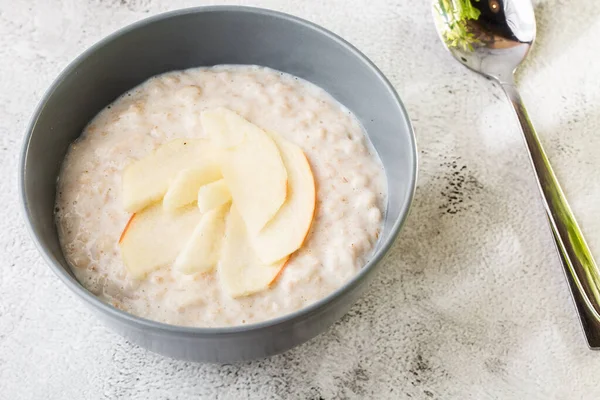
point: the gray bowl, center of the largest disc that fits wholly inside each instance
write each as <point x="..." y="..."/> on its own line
<point x="203" y="37"/>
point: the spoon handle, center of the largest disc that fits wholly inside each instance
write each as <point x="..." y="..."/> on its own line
<point x="590" y="326"/>
<point x="576" y="255"/>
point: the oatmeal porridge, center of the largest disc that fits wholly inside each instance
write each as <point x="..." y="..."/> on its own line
<point x="308" y="191"/>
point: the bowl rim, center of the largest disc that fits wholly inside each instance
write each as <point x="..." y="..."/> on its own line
<point x="188" y="331"/>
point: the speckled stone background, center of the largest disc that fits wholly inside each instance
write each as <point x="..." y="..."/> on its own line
<point x="472" y="302"/>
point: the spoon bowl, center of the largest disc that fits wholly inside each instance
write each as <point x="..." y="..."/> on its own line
<point x="492" y="37"/>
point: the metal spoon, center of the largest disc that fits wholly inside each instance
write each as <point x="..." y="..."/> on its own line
<point x="493" y="37"/>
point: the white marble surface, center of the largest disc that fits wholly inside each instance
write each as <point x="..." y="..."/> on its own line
<point x="472" y="303"/>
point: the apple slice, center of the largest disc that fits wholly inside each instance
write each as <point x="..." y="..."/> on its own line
<point x="286" y="232"/>
<point x="213" y="195"/>
<point x="252" y="166"/>
<point x="202" y="250"/>
<point x="184" y="188"/>
<point x="223" y="126"/>
<point x="127" y="225"/>
<point x="153" y="238"/>
<point x="241" y="273"/>
<point x="146" y="180"/>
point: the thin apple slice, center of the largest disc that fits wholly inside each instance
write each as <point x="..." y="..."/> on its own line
<point x="146" y="180"/>
<point x="286" y="232"/>
<point x="184" y="188"/>
<point x="223" y="126"/>
<point x="127" y="225"/>
<point x="257" y="179"/>
<point x="153" y="238"/>
<point x="202" y="250"/>
<point x="241" y="273"/>
<point x="213" y="195"/>
<point x="252" y="166"/>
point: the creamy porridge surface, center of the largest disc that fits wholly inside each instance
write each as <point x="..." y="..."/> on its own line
<point x="350" y="182"/>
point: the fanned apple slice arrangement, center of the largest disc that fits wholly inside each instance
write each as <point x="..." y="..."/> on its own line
<point x="241" y="202"/>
